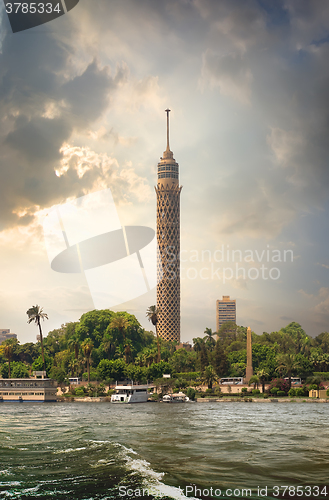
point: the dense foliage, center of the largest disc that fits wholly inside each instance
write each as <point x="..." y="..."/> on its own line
<point x="108" y="346"/>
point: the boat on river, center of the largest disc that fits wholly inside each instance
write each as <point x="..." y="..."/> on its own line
<point x="179" y="397"/>
<point x="130" y="393"/>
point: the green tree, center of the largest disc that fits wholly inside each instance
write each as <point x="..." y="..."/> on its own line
<point x="8" y="352"/>
<point x="228" y="333"/>
<point x="4" y="371"/>
<point x="150" y="356"/>
<point x="288" y="363"/>
<point x="127" y="347"/>
<point x="254" y="380"/>
<point x="35" y="313"/>
<point x="19" y="370"/>
<point x="316" y="358"/>
<point x="299" y="339"/>
<point x="93" y="325"/>
<point x="220" y="361"/>
<point x="197" y="344"/>
<point x="210" y="341"/>
<point x="112" y="369"/>
<point x="262" y="374"/>
<point x="74" y="345"/>
<point x="322" y="341"/>
<point x="59" y="375"/>
<point x="156" y="370"/>
<point x="120" y="323"/>
<point x="183" y="361"/>
<point x="108" y="345"/>
<point x="209" y="376"/>
<point x="152" y="315"/>
<point x="87" y="347"/>
<point x="136" y="373"/>
<point x="39" y="363"/>
<point x="28" y="352"/>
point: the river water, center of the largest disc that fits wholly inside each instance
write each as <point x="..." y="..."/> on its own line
<point x="103" y="451"/>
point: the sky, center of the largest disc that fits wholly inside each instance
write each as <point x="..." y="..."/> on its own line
<point x="82" y="102"/>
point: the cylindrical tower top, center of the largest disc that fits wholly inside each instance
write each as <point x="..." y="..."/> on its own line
<point x="168" y="168"/>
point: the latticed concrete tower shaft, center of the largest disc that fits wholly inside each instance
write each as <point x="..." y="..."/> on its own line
<point x="168" y="238"/>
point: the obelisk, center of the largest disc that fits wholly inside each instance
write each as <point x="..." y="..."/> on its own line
<point x="249" y="370"/>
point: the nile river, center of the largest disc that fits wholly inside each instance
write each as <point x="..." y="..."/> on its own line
<point x="211" y="450"/>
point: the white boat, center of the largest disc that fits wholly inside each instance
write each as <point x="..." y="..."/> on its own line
<point x="179" y="397"/>
<point x="132" y="393"/>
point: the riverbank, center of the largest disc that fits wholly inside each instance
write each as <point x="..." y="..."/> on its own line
<point x="262" y="400"/>
<point x="202" y="400"/>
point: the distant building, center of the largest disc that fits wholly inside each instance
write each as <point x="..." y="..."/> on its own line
<point x="184" y="345"/>
<point x="5" y="335"/>
<point x="225" y="311"/>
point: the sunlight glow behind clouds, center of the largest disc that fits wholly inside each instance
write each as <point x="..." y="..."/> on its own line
<point x="248" y="85"/>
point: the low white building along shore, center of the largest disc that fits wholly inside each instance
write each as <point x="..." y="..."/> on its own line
<point x="28" y="390"/>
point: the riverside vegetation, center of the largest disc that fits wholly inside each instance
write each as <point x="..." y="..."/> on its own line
<point x="104" y="346"/>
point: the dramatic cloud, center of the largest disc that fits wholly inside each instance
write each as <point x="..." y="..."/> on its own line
<point x="82" y="108"/>
<point x="42" y="104"/>
<point x="99" y="171"/>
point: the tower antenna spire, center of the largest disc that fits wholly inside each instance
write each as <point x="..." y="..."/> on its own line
<point x="168" y="111"/>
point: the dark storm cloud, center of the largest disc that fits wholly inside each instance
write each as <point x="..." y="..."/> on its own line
<point x="280" y="68"/>
<point x="39" y="138"/>
<point x="40" y="107"/>
<point x="95" y="84"/>
<point x="28" y="69"/>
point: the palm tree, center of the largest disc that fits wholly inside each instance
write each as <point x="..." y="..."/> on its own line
<point x="197" y="344"/>
<point x="119" y="351"/>
<point x="127" y="351"/>
<point x="87" y="346"/>
<point x="73" y="344"/>
<point x="108" y="347"/>
<point x="209" y="337"/>
<point x="152" y="315"/>
<point x="35" y="313"/>
<point x="80" y="365"/>
<point x="139" y="359"/>
<point x="120" y="323"/>
<point x="200" y="346"/>
<point x="72" y="365"/>
<point x="149" y="356"/>
<point x="315" y="359"/>
<point x="254" y="380"/>
<point x="262" y="374"/>
<point x="325" y="361"/>
<point x="8" y="352"/>
<point x="209" y="376"/>
<point x="288" y="363"/>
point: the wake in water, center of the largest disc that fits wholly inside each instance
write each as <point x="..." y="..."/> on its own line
<point x="103" y="452"/>
<point x="108" y="470"/>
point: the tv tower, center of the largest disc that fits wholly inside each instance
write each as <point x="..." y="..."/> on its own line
<point x="168" y="239"/>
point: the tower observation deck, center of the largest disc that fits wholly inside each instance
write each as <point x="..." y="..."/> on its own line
<point x="168" y="239"/>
